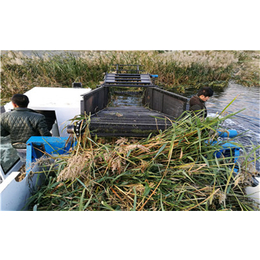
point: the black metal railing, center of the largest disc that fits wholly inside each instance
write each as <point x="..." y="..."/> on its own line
<point x="95" y="101"/>
<point x="164" y="101"/>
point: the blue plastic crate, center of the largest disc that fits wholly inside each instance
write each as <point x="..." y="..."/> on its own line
<point x="38" y="146"/>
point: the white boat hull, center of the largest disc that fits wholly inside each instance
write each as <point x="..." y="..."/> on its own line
<point x="254" y="192"/>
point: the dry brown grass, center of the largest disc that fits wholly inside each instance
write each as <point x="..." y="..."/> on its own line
<point x="176" y="69"/>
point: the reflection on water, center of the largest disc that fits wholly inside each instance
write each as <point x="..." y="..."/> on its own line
<point x="248" y="120"/>
<point x="126" y="100"/>
<point x="246" y="97"/>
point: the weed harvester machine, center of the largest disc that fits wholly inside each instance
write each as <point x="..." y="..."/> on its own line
<point x="155" y="111"/>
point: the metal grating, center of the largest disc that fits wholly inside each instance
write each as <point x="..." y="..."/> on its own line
<point x="128" y="78"/>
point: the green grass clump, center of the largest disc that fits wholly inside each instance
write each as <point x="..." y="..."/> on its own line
<point x="175" y="170"/>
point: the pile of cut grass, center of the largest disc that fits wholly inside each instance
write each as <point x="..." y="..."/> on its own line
<point x="176" y="170"/>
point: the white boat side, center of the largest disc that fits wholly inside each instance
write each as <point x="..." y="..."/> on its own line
<point x="254" y="192"/>
<point x="65" y="102"/>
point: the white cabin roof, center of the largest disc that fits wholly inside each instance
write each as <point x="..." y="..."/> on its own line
<point x="48" y="98"/>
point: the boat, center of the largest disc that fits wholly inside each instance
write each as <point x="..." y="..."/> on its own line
<point x="159" y="107"/>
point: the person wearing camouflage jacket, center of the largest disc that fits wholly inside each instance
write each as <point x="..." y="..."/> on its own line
<point x="21" y="122"/>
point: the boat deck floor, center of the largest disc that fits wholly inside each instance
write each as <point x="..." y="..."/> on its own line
<point x="128" y="121"/>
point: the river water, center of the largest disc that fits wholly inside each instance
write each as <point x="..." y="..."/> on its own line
<point x="246" y="122"/>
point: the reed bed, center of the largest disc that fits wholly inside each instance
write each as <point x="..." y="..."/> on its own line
<point x="175" y="170"/>
<point x="178" y="70"/>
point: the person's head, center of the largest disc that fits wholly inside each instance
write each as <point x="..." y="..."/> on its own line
<point x="205" y="93"/>
<point x="20" y="100"/>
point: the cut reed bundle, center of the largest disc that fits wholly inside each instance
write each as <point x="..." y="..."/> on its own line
<point x="174" y="170"/>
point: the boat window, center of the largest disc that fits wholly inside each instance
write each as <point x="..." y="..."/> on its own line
<point x="50" y="117"/>
<point x="8" y="154"/>
<point x="51" y="121"/>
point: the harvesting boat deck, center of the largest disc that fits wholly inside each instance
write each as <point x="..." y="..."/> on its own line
<point x="128" y="120"/>
<point x="159" y="107"/>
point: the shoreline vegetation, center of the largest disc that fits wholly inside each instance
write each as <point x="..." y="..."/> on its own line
<point x="177" y="70"/>
<point x="176" y="170"/>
